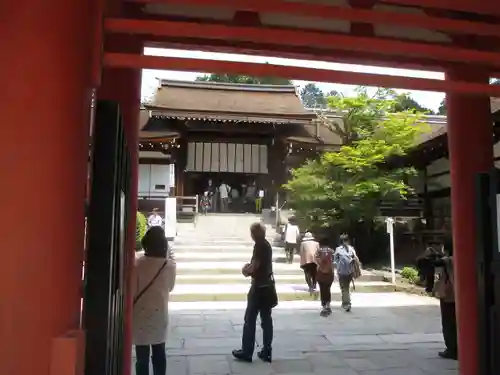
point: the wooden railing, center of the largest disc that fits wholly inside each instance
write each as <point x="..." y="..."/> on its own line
<point x="187" y="208"/>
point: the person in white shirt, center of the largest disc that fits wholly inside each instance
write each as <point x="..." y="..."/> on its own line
<point x="224" y="196"/>
<point x="155" y="220"/>
<point x="292" y="234"/>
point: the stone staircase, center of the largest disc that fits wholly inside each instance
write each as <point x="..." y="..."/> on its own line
<point x="211" y="253"/>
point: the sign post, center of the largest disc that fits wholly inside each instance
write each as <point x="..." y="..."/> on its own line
<point x="171" y="218"/>
<point x="390" y="230"/>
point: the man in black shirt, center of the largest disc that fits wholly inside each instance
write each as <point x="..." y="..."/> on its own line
<point x="261" y="298"/>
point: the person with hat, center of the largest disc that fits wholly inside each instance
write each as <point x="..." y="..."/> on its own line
<point x="308" y="248"/>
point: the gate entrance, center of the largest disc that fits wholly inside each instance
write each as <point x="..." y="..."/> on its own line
<point x="103" y="306"/>
<point x="488" y="266"/>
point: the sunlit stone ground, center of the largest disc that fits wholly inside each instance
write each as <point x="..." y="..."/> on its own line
<point x="386" y="333"/>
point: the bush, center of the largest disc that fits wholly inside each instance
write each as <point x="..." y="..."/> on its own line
<point x="410" y="274"/>
<point x="141" y="226"/>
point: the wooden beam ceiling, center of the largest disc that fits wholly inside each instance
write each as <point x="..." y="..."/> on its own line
<point x="486" y="7"/>
<point x="291" y="37"/>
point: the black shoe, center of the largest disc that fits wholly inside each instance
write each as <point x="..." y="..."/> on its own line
<point x="241" y="356"/>
<point x="265" y="355"/>
<point x="448" y="355"/>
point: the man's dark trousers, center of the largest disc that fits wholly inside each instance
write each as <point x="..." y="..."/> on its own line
<point x="257" y="303"/>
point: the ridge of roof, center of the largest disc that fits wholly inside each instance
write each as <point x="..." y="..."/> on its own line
<point x="227" y="86"/>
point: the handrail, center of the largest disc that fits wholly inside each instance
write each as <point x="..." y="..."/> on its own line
<point x="182" y="201"/>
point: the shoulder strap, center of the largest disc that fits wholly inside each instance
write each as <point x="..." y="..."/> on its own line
<point x="141" y="293"/>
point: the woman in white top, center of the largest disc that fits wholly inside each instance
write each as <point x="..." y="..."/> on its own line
<point x="292" y="234"/>
<point x="155" y="273"/>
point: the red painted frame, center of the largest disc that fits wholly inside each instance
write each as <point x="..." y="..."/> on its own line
<point x="290" y="37"/>
<point x="124" y="60"/>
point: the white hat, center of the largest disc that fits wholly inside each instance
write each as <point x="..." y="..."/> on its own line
<point x="308" y="236"/>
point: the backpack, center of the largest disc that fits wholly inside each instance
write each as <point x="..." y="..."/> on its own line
<point x="325" y="261"/>
<point x="356" y="268"/>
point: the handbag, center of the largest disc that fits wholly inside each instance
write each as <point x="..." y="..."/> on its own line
<point x="273" y="300"/>
<point x="266" y="295"/>
<point x="141" y="293"/>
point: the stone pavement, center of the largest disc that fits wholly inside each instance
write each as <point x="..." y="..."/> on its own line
<point x="386" y="333"/>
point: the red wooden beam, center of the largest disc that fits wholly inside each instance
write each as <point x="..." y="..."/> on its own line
<point x="124" y="60"/>
<point x="485" y="7"/>
<point x="299" y="53"/>
<point x="343" y="13"/>
<point x="292" y="37"/>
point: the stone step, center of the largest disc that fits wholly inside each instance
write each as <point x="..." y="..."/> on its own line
<point x="286" y="292"/>
<point x="228" y="269"/>
<point x="236" y="278"/>
<point x="218" y="249"/>
<point x="243" y="256"/>
<point x="203" y="241"/>
<point x="280" y="288"/>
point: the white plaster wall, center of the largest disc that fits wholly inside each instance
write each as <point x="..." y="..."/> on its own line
<point x="154" y="179"/>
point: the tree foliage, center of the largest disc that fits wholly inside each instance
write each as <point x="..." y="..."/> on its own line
<point x="347" y="185"/>
<point x="313" y="97"/>
<point x="442" y="108"/>
<point x="141" y="226"/>
<point x="404" y="102"/>
<point x="243" y="79"/>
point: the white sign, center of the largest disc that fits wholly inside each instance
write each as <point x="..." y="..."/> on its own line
<point x="390" y="229"/>
<point x="171" y="177"/>
<point x="170" y="217"/>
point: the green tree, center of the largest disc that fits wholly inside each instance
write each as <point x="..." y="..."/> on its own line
<point x="404" y="102"/>
<point x="141" y="226"/>
<point x="442" y="108"/>
<point x="231" y="78"/>
<point x="346" y="186"/>
<point x="313" y="97"/>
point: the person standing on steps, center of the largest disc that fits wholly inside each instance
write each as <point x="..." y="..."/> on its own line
<point x="224" y="190"/>
<point x="325" y="277"/>
<point x="292" y="234"/>
<point x="344" y="258"/>
<point x="261" y="299"/>
<point x="205" y="203"/>
<point x="154" y="273"/>
<point x="308" y="248"/>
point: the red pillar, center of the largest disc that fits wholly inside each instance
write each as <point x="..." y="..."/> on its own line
<point x="471" y="151"/>
<point x="124" y="86"/>
<point x="44" y="114"/>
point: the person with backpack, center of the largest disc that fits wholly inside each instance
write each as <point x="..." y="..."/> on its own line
<point x="347" y="263"/>
<point x="325" y="276"/>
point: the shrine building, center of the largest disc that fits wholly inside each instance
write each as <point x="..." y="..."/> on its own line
<point x="240" y="134"/>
